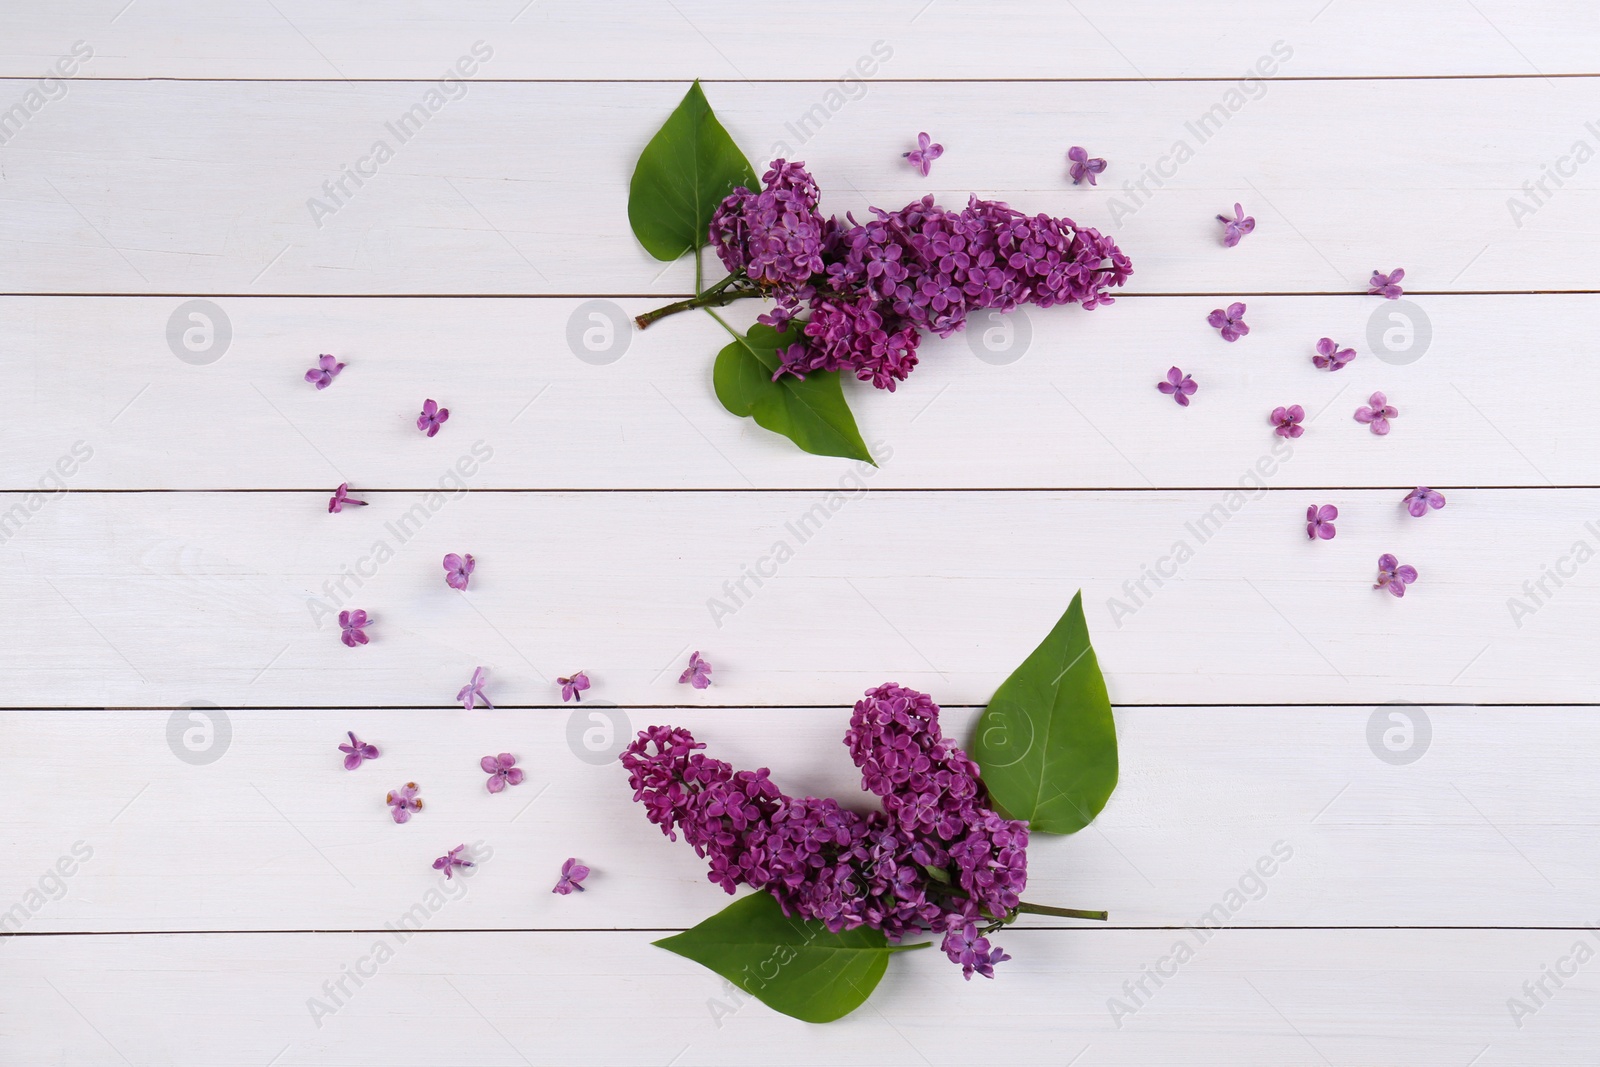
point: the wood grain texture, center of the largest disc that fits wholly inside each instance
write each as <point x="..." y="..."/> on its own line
<point x="521" y="188"/>
<point x="628" y="39"/>
<point x="155" y="599"/>
<point x="1075" y="407"/>
<point x="1237" y="817"/>
<point x="1274" y="998"/>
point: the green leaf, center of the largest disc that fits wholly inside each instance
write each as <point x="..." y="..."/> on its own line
<point x="793" y="966"/>
<point x="811" y="413"/>
<point x="1047" y="743"/>
<point x="685" y="171"/>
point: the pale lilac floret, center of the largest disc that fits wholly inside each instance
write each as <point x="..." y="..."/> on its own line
<point x="502" y="771"/>
<point x="572" y="875"/>
<point x="458" y="570"/>
<point x="1236" y="228"/>
<point x="1420" y="499"/>
<point x="357" y="752"/>
<point x="352" y="627"/>
<point x="698" y="673"/>
<point x="1386" y="285"/>
<point x="1319" y="522"/>
<point x="1376" y="413"/>
<point x="1286" y="420"/>
<point x="472" y="694"/>
<point x="1230" y="322"/>
<point x="451" y="860"/>
<point x="1393" y="575"/>
<point x="1330" y="357"/>
<point x="1082" y="167"/>
<point x="925" y="153"/>
<point x="326" y="370"/>
<point x="404" y="802"/>
<point x="432" y="417"/>
<point x="1179" y="386"/>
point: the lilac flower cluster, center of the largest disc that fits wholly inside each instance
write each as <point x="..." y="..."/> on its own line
<point x="936" y="857"/>
<point x="872" y="288"/>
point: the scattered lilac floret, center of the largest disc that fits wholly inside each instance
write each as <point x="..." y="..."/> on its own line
<point x="1330" y="357"/>
<point x="572" y="875"/>
<point x="1386" y="285"/>
<point x="341" y="497"/>
<point x="1376" y="414"/>
<point x="1286" y="421"/>
<point x="404" y="802"/>
<point x="1084" y="167"/>
<point x="1319" y="522"/>
<point x="1230" y="322"/>
<point x="1179" y="386"/>
<point x="502" y="771"/>
<point x="472" y="694"/>
<point x="356" y="752"/>
<point x="1394" y="576"/>
<point x="925" y="153"/>
<point x="572" y="688"/>
<point x="433" y="416"/>
<point x="1238" y="227"/>
<point x="326" y="370"/>
<point x="451" y="860"/>
<point x="698" y="673"/>
<point x="352" y="627"/>
<point x="1420" y="499"/>
<point x="458" y="569"/>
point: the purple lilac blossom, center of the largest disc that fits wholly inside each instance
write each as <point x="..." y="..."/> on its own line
<point x="1393" y="575"/>
<point x="353" y="627"/>
<point x="458" y="570"/>
<point x="356" y="752"/>
<point x="502" y="771"/>
<point x="451" y="860"/>
<point x="1420" y="499"/>
<point x="572" y="688"/>
<point x="1376" y="413"/>
<point x="698" y="673"/>
<point x="1319" y="522"/>
<point x="326" y="370"/>
<point x="433" y="416"/>
<point x="1286" y="421"/>
<point x="936" y="857"/>
<point x="404" y="802"/>
<point x="1230" y="322"/>
<point x="1330" y="357"/>
<point x="925" y="153"/>
<point x="1083" y="167"/>
<point x="472" y="694"/>
<point x="1386" y="285"/>
<point x="341" y="497"/>
<point x="572" y="875"/>
<point x="1238" y="227"/>
<point x="1179" y="386"/>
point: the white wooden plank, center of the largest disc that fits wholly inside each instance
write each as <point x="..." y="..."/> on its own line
<point x="155" y="599"/>
<point x="1008" y="39"/>
<point x="1292" y="811"/>
<point x="206" y="187"/>
<point x="1077" y="408"/>
<point x="1274" y="998"/>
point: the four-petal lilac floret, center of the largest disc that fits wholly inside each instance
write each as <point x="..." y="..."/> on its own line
<point x="1386" y="285"/>
<point x="471" y="694"/>
<point x="341" y="497"/>
<point x="326" y="370"/>
<point x="1376" y="413"/>
<point x="1319" y="522"/>
<point x="352" y="627"/>
<point x="1179" y="386"/>
<point x="404" y="802"/>
<point x="451" y="860"/>
<point x="572" y="875"/>
<point x="572" y="688"/>
<point x="1238" y="227"/>
<point x="1286" y="421"/>
<point x="925" y="153"/>
<point x="502" y="771"/>
<point x="1330" y="357"/>
<point x="433" y="416"/>
<point x="458" y="569"/>
<point x="1230" y="322"/>
<point x="356" y="752"/>
<point x="1393" y="575"/>
<point x="1420" y="499"/>
<point x="1083" y="167"/>
<point x="698" y="673"/>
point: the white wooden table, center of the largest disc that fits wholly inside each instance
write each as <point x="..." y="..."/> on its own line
<point x="174" y="690"/>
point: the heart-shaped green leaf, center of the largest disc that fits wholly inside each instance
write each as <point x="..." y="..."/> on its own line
<point x="1047" y="743"/>
<point x="685" y="171"/>
<point x="811" y="413"/>
<point x="790" y="965"/>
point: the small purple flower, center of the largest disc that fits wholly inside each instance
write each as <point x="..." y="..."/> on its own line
<point x="1179" y="386"/>
<point x="1420" y="499"/>
<point x="1238" y="227"/>
<point x="326" y="370"/>
<point x="964" y="945"/>
<point x="451" y="860"/>
<point x="698" y="673"/>
<point x="1287" y="420"/>
<point x="1377" y="414"/>
<point x="1230" y="322"/>
<point x="572" y="875"/>
<point x="1387" y="285"/>
<point x="1392" y="576"/>
<point x="404" y="801"/>
<point x="572" y="688"/>
<point x="1330" y="356"/>
<point x="341" y="497"/>
<point x="1084" y="167"/>
<point x="1319" y="522"/>
<point x="457" y="569"/>
<point x="925" y="153"/>
<point x="472" y="694"/>
<point x="357" y="751"/>
<point x="433" y="416"/>
<point x="502" y="771"/>
<point x="352" y="625"/>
